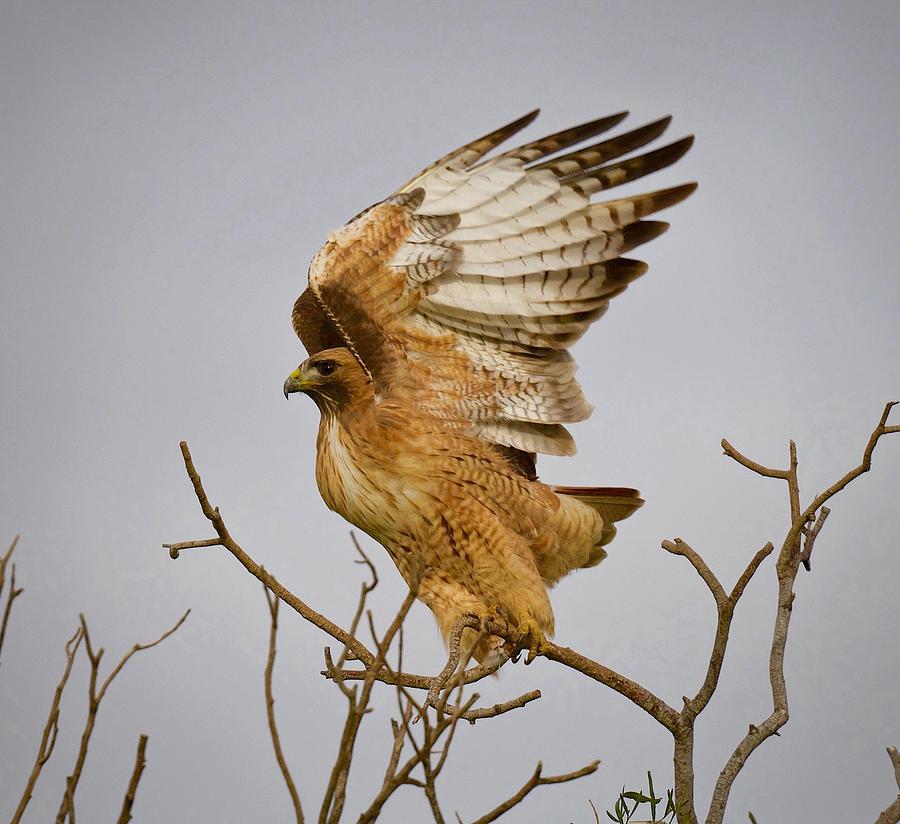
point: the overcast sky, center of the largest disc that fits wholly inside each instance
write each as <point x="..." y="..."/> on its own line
<point x="168" y="169"/>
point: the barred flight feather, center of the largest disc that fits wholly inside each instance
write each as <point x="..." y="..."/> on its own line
<point x="479" y="274"/>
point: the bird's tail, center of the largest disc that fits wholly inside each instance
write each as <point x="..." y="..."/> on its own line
<point x="611" y="503"/>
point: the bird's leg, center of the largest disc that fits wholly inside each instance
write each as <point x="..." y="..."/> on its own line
<point x="494" y="617"/>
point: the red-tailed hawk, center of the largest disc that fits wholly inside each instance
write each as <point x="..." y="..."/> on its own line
<point x="438" y="324"/>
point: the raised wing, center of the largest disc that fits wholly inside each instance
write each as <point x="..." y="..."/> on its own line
<point x="465" y="289"/>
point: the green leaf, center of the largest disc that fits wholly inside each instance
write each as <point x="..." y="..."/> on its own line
<point x="633" y="795"/>
<point x="670" y="803"/>
<point x="653" y="800"/>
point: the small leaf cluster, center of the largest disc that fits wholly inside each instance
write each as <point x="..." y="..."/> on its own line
<point x="629" y="801"/>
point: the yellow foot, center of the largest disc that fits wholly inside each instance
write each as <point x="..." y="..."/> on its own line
<point x="531" y="637"/>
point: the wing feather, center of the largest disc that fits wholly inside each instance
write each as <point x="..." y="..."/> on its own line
<point x="466" y="288"/>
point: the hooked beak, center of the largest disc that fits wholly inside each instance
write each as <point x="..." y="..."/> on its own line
<point x="296" y="382"/>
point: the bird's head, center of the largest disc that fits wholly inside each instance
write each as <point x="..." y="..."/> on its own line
<point x="333" y="378"/>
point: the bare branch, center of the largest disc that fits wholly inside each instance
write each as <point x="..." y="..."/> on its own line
<point x="789" y="559"/>
<point x="633" y="691"/>
<point x="139" y="763"/>
<point x="679" y="547"/>
<point x="725" y="606"/>
<point x="403" y="774"/>
<point x="51" y="728"/>
<point x="536" y="780"/>
<point x="809" y="538"/>
<point x="95" y="696"/>
<point x="498" y="709"/>
<point x="333" y="803"/>
<point x="136" y="648"/>
<point x="864" y="466"/>
<point x="398" y="730"/>
<point x="753" y="466"/>
<point x="365" y="589"/>
<point x="273" y="603"/>
<point x="175" y="549"/>
<point x="749" y="572"/>
<point x="225" y="539"/>
<point x="891" y="814"/>
<point x="895" y="761"/>
<point x="417" y="682"/>
<point x="431" y="795"/>
<point x="13" y="592"/>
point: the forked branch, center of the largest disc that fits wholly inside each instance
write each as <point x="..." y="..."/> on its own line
<point x="95" y="697"/>
<point x="805" y="523"/>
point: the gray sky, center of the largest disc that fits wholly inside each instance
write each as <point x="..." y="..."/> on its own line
<point x="167" y="171"/>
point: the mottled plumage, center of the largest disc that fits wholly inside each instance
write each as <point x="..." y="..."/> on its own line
<point x="438" y="323"/>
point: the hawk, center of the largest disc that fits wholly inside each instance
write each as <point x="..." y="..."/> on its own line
<point x="438" y="324"/>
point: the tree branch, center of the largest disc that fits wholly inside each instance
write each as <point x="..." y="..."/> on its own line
<point x="13" y="592"/>
<point x="51" y="728"/>
<point x="536" y="780"/>
<point x="95" y="696"/>
<point x="273" y="603"/>
<point x="333" y="803"/>
<point x="633" y="691"/>
<point x="139" y="763"/>
<point x="498" y="709"/>
<point x="809" y="538"/>
<point x="269" y="580"/>
<point x="891" y="814"/>
<point x="789" y="559"/>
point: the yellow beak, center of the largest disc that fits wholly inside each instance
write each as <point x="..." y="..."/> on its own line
<point x="296" y="382"/>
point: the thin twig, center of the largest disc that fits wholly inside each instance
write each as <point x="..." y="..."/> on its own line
<point x="498" y="709"/>
<point x="51" y="728"/>
<point x="273" y="603"/>
<point x="95" y="697"/>
<point x="13" y="592"/>
<point x="399" y="737"/>
<point x="679" y="547"/>
<point x="139" y="763"/>
<point x="366" y="588"/>
<point x="536" y="780"/>
<point x="810" y="538"/>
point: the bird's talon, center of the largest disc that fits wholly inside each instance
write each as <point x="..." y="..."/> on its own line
<point x="531" y="638"/>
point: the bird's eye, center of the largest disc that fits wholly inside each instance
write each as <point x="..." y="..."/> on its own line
<point x="326" y="367"/>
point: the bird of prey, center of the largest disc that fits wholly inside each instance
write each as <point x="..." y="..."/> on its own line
<point x="438" y="324"/>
